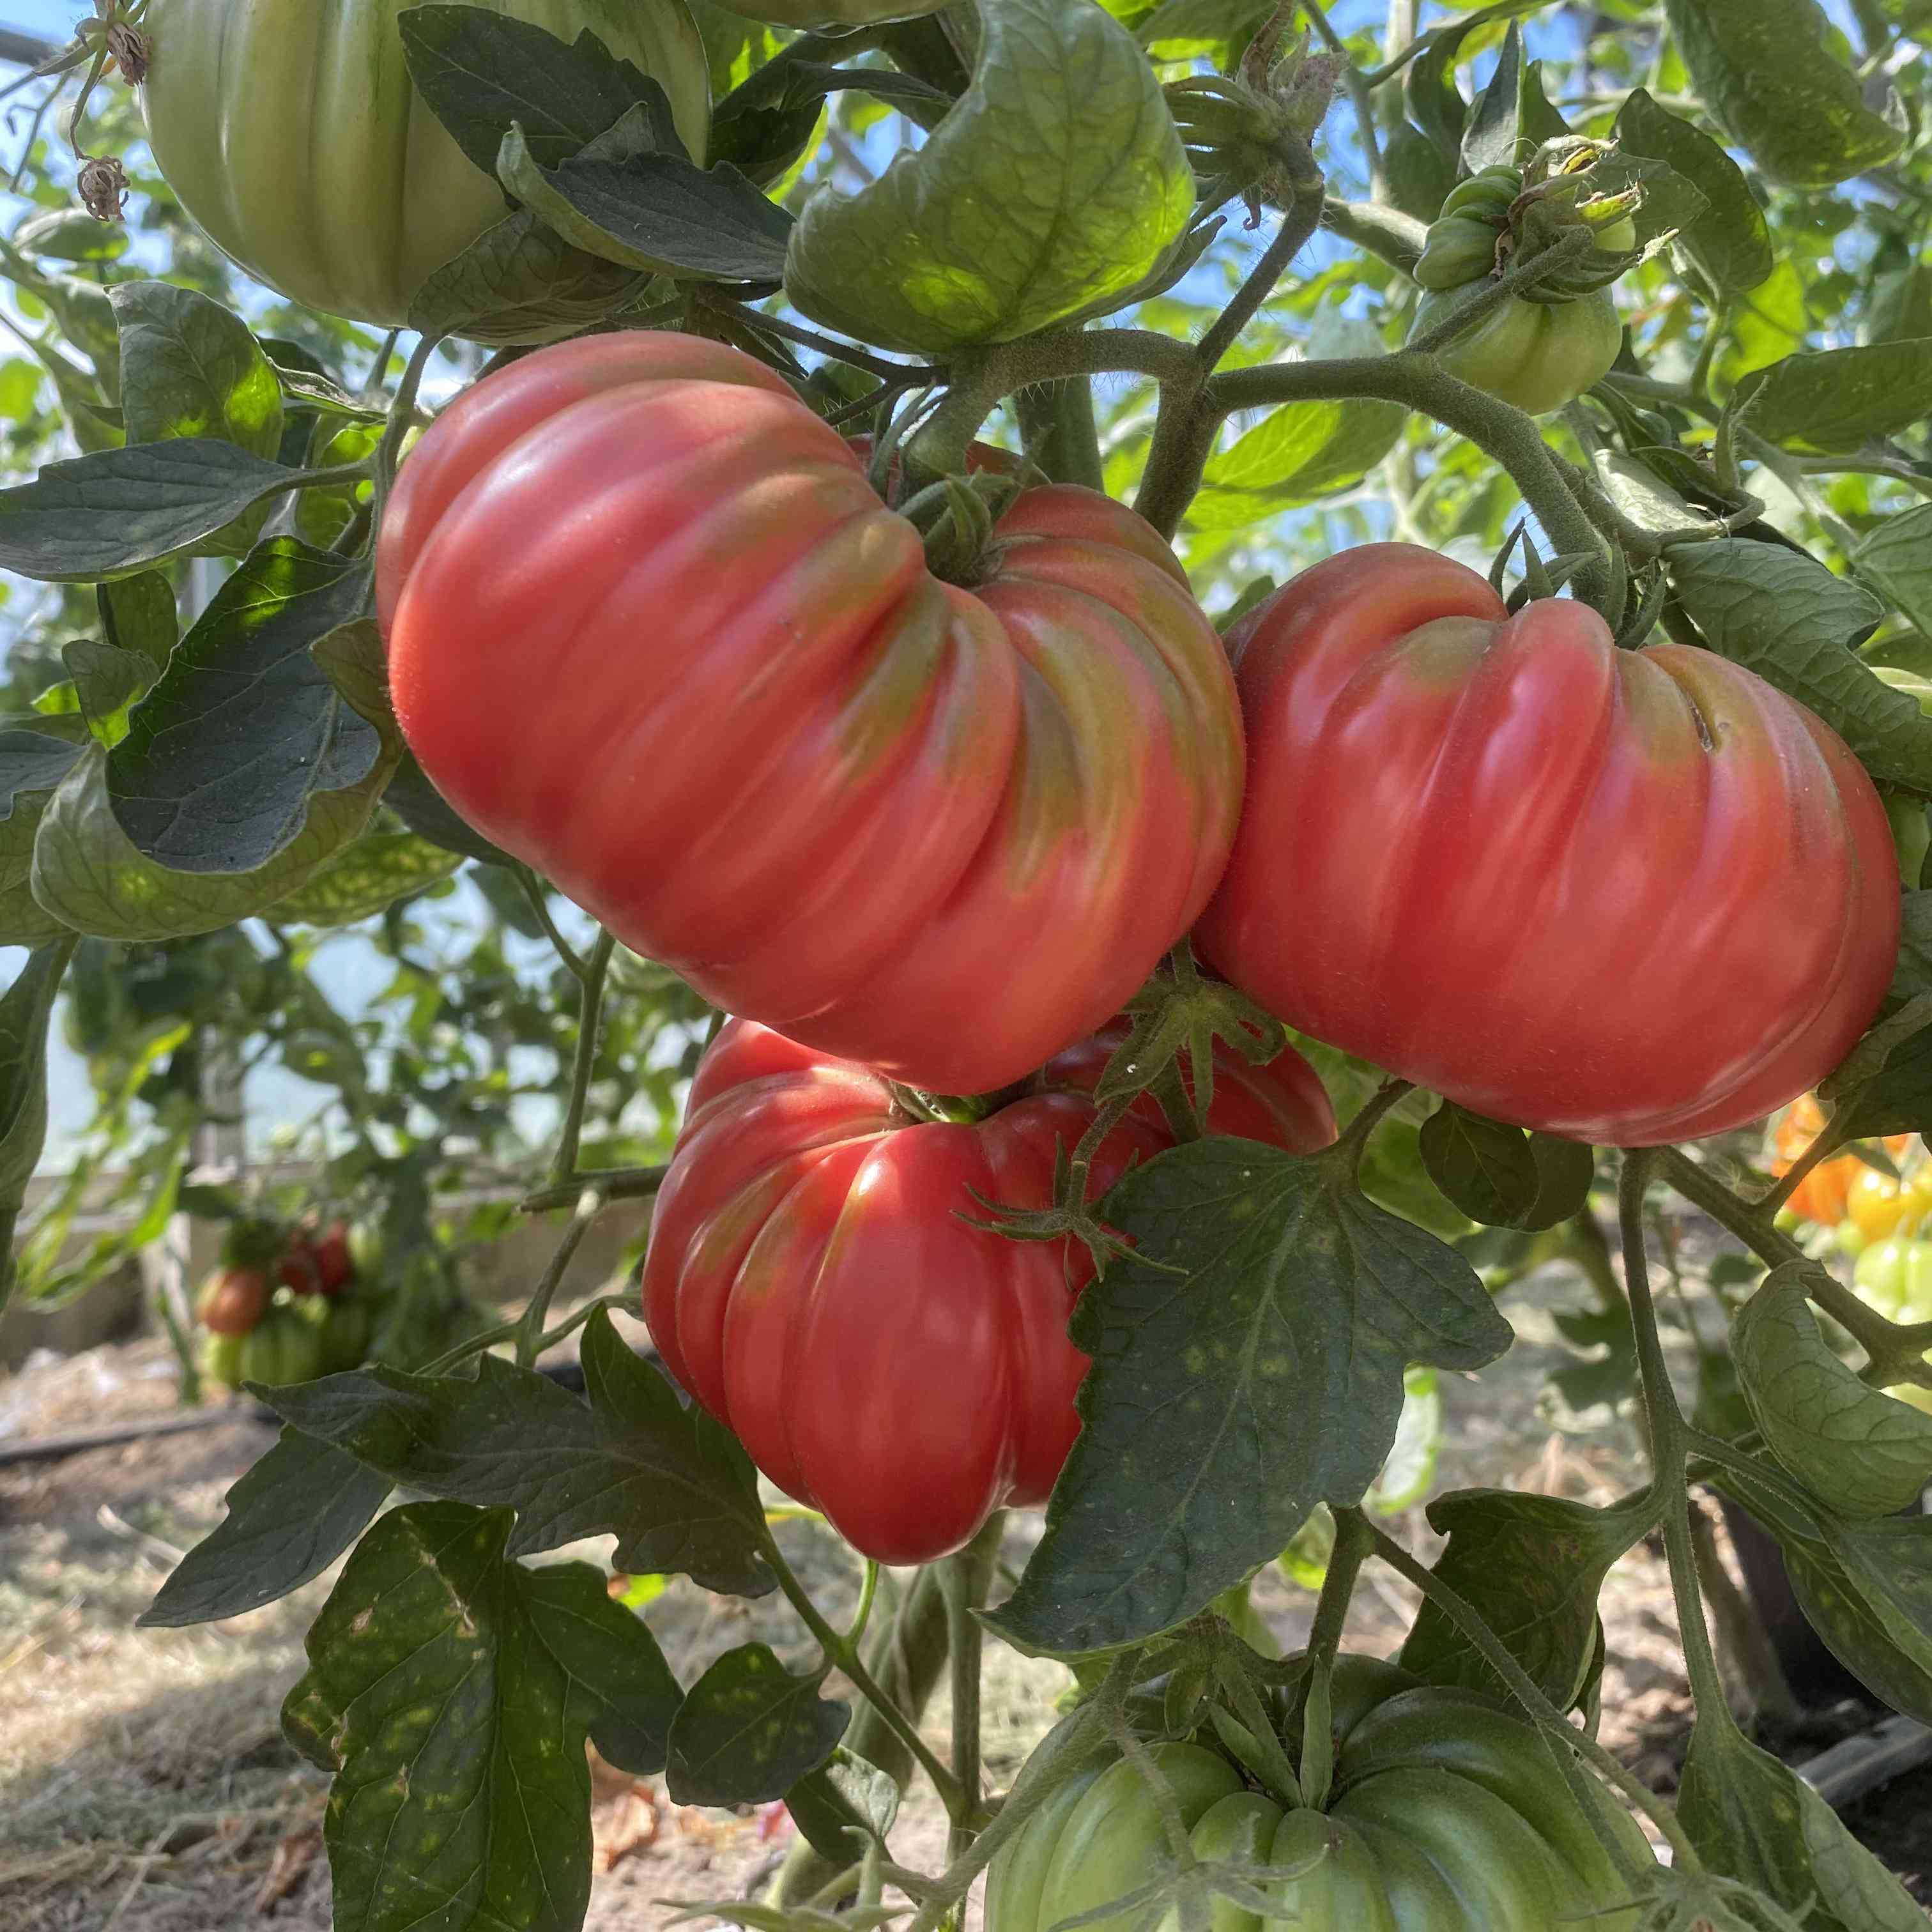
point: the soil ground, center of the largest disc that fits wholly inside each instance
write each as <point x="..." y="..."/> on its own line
<point x="144" y="1786"/>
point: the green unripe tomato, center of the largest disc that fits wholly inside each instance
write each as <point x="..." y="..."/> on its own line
<point x="286" y="1349"/>
<point x="1851" y="1239"/>
<point x="1110" y="1841"/>
<point x="343" y="1325"/>
<point x="1240" y="1829"/>
<point x="1619" y="238"/>
<point x="1894" y="1273"/>
<point x="1459" y="249"/>
<point x="293" y="132"/>
<point x="221" y="1359"/>
<point x="1537" y="356"/>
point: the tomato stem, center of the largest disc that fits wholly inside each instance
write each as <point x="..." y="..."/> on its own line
<point x="964" y="1635"/>
<point x="589" y="1014"/>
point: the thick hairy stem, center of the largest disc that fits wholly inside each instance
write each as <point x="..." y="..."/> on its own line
<point x="402" y="415"/>
<point x="589" y="1017"/>
<point x="1669" y="1439"/>
<point x="907" y="1658"/>
<point x="964" y="1581"/>
<point x="1397" y="238"/>
<point x="614" y="1183"/>
<point x="1419" y="383"/>
<point x="529" y="1326"/>
<point x="1299" y="221"/>
<point x="1057" y="429"/>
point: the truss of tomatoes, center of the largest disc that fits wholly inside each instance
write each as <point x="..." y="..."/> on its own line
<point x="651" y="629"/>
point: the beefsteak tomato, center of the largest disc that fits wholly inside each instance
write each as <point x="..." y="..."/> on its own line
<point x="815" y="1280"/>
<point x="651" y="630"/>
<point x="1628" y="896"/>
<point x="292" y="132"/>
<point x="1447" y="1813"/>
<point x="232" y="1300"/>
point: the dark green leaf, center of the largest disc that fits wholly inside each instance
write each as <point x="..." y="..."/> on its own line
<point x="24" y="1011"/>
<point x="138" y="613"/>
<point x="846" y="1795"/>
<point x="1764" y="70"/>
<point x="657" y="213"/>
<point x="481" y="71"/>
<point x="1435" y="103"/>
<point x="1501" y="1176"/>
<point x="1533" y="1566"/>
<point x="677" y="1492"/>
<point x="1755" y="1819"/>
<point x="189" y="368"/>
<point x="119" y="510"/>
<point x="1419" y="177"/>
<point x="451" y="1692"/>
<point x="1885" y="1085"/>
<point x="293" y="1513"/>
<point x="33" y="761"/>
<point x="1610" y="1377"/>
<point x="521" y="282"/>
<point x="71" y="235"/>
<point x="1783" y="615"/>
<point x="1896" y="558"/>
<point x="1057" y="183"/>
<point x="1249" y="1363"/>
<point x="1489" y="140"/>
<point x="1862" y="1451"/>
<point x="749" y="1731"/>
<point x="224" y="763"/>
<point x="1837" y="399"/>
<point x="1728" y="243"/>
<point x="1912" y="977"/>
<point x="1538" y="120"/>
<point x="1888" y="1653"/>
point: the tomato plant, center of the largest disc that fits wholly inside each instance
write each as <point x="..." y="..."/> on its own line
<point x="1109" y="706"/>
<point x="1424" y="763"/>
<point x="812" y="1236"/>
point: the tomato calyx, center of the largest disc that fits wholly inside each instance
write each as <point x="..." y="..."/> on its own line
<point x="955" y="518"/>
<point x="1541" y="577"/>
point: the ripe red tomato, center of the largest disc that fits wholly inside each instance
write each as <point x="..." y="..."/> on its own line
<point x="318" y="1264"/>
<point x="812" y="1281"/>
<point x="232" y="1300"/>
<point x="1628" y="896"/>
<point x="650" y="629"/>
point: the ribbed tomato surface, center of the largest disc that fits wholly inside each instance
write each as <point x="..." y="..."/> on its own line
<point x="1630" y="896"/>
<point x="811" y="1281"/>
<point x="651" y="629"/>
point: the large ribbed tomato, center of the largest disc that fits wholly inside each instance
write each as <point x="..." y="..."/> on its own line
<point x="814" y="1280"/>
<point x="651" y="631"/>
<point x="293" y="132"/>
<point x="1446" y="1814"/>
<point x="1629" y="896"/>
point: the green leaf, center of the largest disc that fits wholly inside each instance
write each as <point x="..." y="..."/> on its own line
<point x="676" y="1490"/>
<point x="1538" y="119"/>
<point x="89" y="873"/>
<point x="24" y="1013"/>
<point x="138" y="614"/>
<point x="1533" y="1566"/>
<point x="451" y="1692"/>
<point x="71" y="235"/>
<point x="1489" y="140"/>
<point x="1782" y="614"/>
<point x="189" y="368"/>
<point x="107" y="682"/>
<point x="749" y="1730"/>
<point x="119" y="510"/>
<point x="378" y="869"/>
<point x="1058" y="183"/>
<point x="1884" y="1086"/>
<point x="1728" y="244"/>
<point x="520" y="282"/>
<point x="481" y="71"/>
<point x="658" y="214"/>
<point x="1862" y="1451"/>
<point x="1896" y="558"/>
<point x="1249" y="1362"/>
<point x="300" y="1507"/>
<point x="1435" y="104"/>
<point x="844" y="1795"/>
<point x="1755" y="1819"/>
<point x="1501" y="1176"/>
<point x="1837" y="399"/>
<point x="1888" y="1652"/>
<point x="33" y="762"/>
<point x="245" y="734"/>
<point x="1765" y="70"/>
